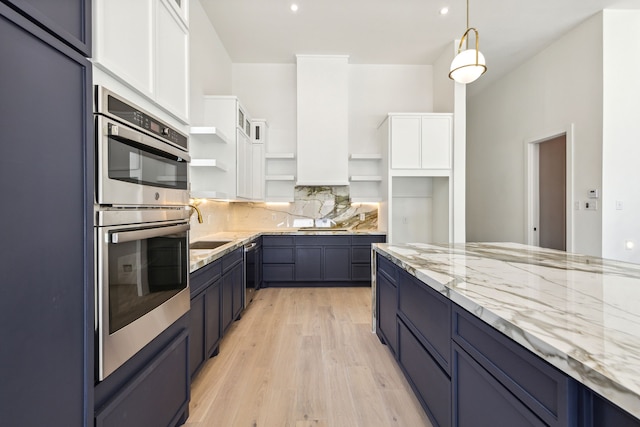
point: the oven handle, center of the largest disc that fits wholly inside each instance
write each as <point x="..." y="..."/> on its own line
<point x="128" y="236"/>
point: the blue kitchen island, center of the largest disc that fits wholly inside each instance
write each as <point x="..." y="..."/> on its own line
<point x="503" y="334"/>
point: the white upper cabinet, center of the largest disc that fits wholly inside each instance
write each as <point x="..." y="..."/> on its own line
<point x="405" y="142"/>
<point x="172" y="65"/>
<point x="421" y="141"/>
<point x="123" y="41"/>
<point x="145" y="45"/>
<point x="323" y="122"/>
<point x="226" y="160"/>
<point x="436" y="141"/>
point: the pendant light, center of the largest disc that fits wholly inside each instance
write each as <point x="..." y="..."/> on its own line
<point x="468" y="64"/>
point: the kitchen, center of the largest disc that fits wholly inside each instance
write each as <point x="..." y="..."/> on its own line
<point x="255" y="85"/>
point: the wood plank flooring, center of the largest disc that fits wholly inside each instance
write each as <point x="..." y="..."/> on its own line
<point x="302" y="357"/>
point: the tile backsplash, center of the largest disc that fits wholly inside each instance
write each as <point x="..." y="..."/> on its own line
<point x="330" y="203"/>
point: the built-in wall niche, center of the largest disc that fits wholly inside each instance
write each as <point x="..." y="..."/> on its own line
<point x="420" y="210"/>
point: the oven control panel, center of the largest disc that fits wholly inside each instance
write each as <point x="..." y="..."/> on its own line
<point x="130" y="114"/>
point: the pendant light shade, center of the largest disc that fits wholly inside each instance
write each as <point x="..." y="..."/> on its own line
<point x="468" y="64"/>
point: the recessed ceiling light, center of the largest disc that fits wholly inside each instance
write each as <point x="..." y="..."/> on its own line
<point x="294" y="7"/>
<point x="444" y="11"/>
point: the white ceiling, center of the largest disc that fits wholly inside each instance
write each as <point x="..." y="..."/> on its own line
<point x="396" y="31"/>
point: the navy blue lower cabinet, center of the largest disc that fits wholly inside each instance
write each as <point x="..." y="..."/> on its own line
<point x="596" y="411"/>
<point x="212" y="331"/>
<point x="278" y="260"/>
<point x="226" y="302"/>
<point x="430" y="383"/>
<point x="386" y="309"/>
<point x="481" y="401"/>
<point x="361" y="256"/>
<point x="309" y="263"/>
<point x="157" y="396"/>
<point x="428" y="314"/>
<point x="237" y="277"/>
<point x="232" y="288"/>
<point x="337" y="263"/>
<point x="548" y="392"/>
<point x="196" y="334"/>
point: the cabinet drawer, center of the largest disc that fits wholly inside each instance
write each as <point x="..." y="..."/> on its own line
<point x="231" y="259"/>
<point x="430" y="383"/>
<point x="367" y="240"/>
<point x="361" y="272"/>
<point x="278" y="272"/>
<point x="278" y="255"/>
<point x="387" y="267"/>
<point x="483" y="401"/>
<point x="203" y="277"/>
<point x="544" y="389"/>
<point x="165" y="380"/>
<point x="268" y="241"/>
<point x="428" y="314"/>
<point x="386" y="309"/>
<point x="361" y="254"/>
<point x="323" y="240"/>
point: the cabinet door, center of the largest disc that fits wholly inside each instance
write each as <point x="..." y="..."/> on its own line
<point x="436" y="142"/>
<point x="158" y="396"/>
<point x="309" y="263"/>
<point x="244" y="178"/>
<point x="46" y="297"/>
<point x="70" y="20"/>
<point x="226" y="301"/>
<point x="257" y="170"/>
<point x="337" y="263"/>
<point x="238" y="289"/>
<point x="171" y="62"/>
<point x="483" y="401"/>
<point x="212" y="318"/>
<point x="405" y="142"/>
<point x="387" y="306"/>
<point x="430" y="383"/>
<point x="196" y="333"/>
<point x="124" y="41"/>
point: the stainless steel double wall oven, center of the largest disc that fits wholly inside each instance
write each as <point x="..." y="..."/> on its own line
<point x="141" y="223"/>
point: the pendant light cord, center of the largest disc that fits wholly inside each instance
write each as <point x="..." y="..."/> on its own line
<point x="467" y="23"/>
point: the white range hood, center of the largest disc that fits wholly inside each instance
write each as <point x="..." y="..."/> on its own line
<point x="323" y="120"/>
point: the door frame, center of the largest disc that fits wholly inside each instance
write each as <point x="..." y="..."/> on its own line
<point x="532" y="200"/>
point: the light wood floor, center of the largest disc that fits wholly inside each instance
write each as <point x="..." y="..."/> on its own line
<point x="304" y="357"/>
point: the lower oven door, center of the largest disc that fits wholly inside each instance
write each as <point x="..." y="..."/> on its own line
<point x="142" y="287"/>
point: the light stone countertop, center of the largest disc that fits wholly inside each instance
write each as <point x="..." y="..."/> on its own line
<point x="198" y="258"/>
<point x="579" y="313"/>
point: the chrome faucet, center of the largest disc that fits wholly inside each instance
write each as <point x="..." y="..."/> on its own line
<point x="195" y="208"/>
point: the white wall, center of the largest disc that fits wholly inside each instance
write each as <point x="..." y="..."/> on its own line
<point x="559" y="86"/>
<point x="269" y="91"/>
<point x="210" y="68"/>
<point x="376" y="90"/>
<point x="621" y="135"/>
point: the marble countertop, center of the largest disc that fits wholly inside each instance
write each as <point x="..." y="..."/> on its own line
<point x="198" y="258"/>
<point x="579" y="313"/>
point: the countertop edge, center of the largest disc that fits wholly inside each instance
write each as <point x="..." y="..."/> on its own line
<point x="237" y="242"/>
<point x="607" y="387"/>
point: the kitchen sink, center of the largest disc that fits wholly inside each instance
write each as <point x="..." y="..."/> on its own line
<point x="208" y="244"/>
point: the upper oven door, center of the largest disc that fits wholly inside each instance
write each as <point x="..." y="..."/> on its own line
<point x="135" y="169"/>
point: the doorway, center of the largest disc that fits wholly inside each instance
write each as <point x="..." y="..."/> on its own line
<point x="552" y="189"/>
<point x="549" y="190"/>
